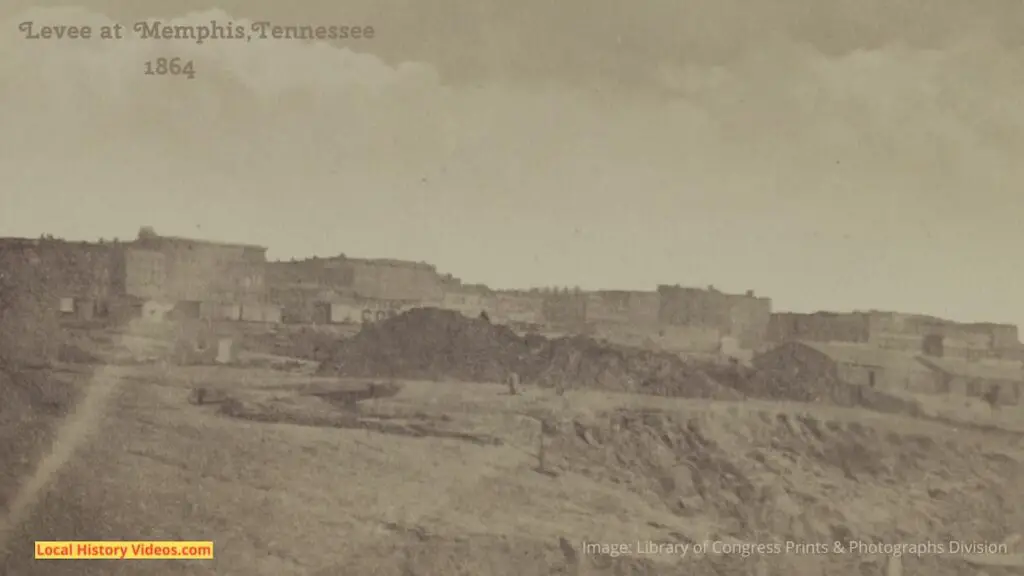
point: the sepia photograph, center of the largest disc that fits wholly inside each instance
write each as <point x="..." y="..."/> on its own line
<point x="496" y="288"/>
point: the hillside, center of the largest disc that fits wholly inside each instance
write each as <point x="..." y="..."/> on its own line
<point x="291" y="474"/>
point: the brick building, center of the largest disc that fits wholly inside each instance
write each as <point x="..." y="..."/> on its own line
<point x="634" y="308"/>
<point x="304" y="287"/>
<point x="73" y="277"/>
<point x="743" y="317"/>
<point x="564" y="308"/>
<point x="911" y="333"/>
<point x="188" y="270"/>
<point x="198" y="278"/>
<point x="820" y="327"/>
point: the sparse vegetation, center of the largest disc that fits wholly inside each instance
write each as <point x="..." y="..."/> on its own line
<point x="443" y="477"/>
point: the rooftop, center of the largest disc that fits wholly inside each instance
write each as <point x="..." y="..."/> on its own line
<point x="676" y="288"/>
<point x="367" y="261"/>
<point x="982" y="370"/>
<point x="865" y="355"/>
<point x="393" y="262"/>
<point x="182" y="240"/>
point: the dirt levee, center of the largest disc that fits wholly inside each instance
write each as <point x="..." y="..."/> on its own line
<point x="429" y="343"/>
<point x="582" y="362"/>
<point x="435" y="344"/>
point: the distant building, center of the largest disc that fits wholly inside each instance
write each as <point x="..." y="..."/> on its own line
<point x="306" y="288"/>
<point x="564" y="309"/>
<point x="470" y="300"/>
<point x="911" y="333"/>
<point x="356" y="311"/>
<point x="518" y="308"/>
<point x="75" y="277"/>
<point x="634" y="308"/>
<point x="195" y="278"/>
<point x="867" y="365"/>
<point x="820" y="327"/>
<point x="857" y="364"/>
<point x="1002" y="380"/>
<point x="175" y="269"/>
<point x="744" y="317"/>
<point x="386" y="279"/>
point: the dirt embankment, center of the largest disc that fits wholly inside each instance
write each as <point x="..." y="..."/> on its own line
<point x="437" y="344"/>
<point x="440" y="344"/>
<point x="764" y="477"/>
<point x="674" y="471"/>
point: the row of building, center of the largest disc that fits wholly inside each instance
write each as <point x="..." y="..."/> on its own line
<point x="995" y="380"/>
<point x="150" y="273"/>
<point x="155" y="274"/>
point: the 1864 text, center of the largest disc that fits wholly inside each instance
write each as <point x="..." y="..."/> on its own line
<point x="170" y="67"/>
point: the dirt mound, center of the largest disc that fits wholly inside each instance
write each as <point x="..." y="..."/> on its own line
<point x="428" y="343"/>
<point x="297" y="342"/>
<point x="770" y="384"/>
<point x="437" y="344"/>
<point x="433" y="344"/>
<point x="582" y="362"/>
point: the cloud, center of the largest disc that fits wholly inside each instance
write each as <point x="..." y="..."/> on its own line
<point x="268" y="67"/>
<point x="77" y="89"/>
<point x="909" y="148"/>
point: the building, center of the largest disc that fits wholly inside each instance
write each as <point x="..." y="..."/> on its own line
<point x="820" y="327"/>
<point x="744" y="317"/>
<point x="914" y="332"/>
<point x="910" y="333"/>
<point x="357" y="311"/>
<point x="1000" y="380"/>
<point x="73" y="277"/>
<point x="200" y="278"/>
<point x="469" y="299"/>
<point x="304" y="287"/>
<point x="386" y="279"/>
<point x="634" y="308"/>
<point x="564" y="308"/>
<point x="857" y="364"/>
<point x="523" y="308"/>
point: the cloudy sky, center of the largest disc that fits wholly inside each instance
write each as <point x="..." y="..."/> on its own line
<point x="834" y="155"/>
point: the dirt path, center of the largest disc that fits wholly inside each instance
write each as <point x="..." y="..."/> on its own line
<point x="157" y="468"/>
<point x="57" y="500"/>
<point x="72" y="432"/>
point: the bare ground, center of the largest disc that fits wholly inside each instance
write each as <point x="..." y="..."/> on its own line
<point x="311" y="490"/>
